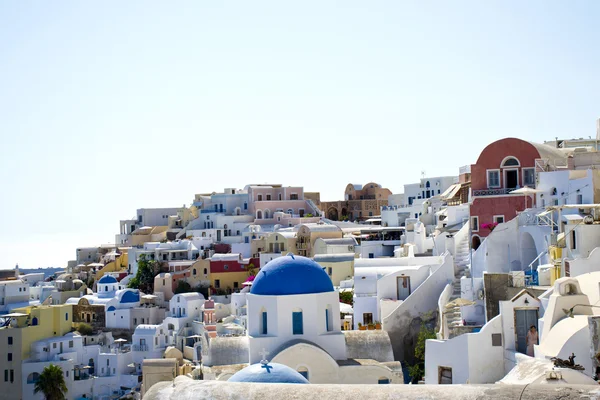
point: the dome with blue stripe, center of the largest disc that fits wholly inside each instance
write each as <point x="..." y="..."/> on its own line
<point x="291" y="275"/>
<point x="268" y="373"/>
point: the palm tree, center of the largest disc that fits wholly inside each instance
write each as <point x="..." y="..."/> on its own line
<point x="51" y="383"/>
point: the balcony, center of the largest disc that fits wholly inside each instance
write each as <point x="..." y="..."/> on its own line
<point x="212" y="211"/>
<point x="140" y="347"/>
<point x="492" y="192"/>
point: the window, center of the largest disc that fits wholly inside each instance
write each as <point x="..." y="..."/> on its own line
<point x="496" y="339"/>
<point x="263" y="327"/>
<point x="383" y="381"/>
<point x="510" y="162"/>
<point x="328" y="318"/>
<point x="70" y="344"/>
<point x="529" y="177"/>
<point x="135" y="321"/>
<point x="444" y="375"/>
<point x="260" y="197"/>
<point x="499" y="219"/>
<point x="367" y="318"/>
<point x="493" y="178"/>
<point x="579" y="199"/>
<point x="329" y="271"/>
<point x="294" y="196"/>
<point x="53" y="345"/>
<point x="9" y="356"/>
<point x="573" y="240"/>
<point x="235" y="285"/>
<point x="66" y="316"/>
<point x="303" y="371"/>
<point x="5" y="375"/>
<point x="12" y="375"/>
<point x="205" y="271"/>
<point x="226" y="267"/>
<point x="475" y="224"/>
<point x="268" y="197"/>
<point x="10" y="340"/>
<point x="245" y="206"/>
<point x="217" y="283"/>
<point x="297" y="325"/>
<point x="33" y="378"/>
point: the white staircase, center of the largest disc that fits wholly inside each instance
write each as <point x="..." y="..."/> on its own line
<point x="461" y="268"/>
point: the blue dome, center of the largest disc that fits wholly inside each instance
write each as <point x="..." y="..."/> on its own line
<point x="111" y="308"/>
<point x="291" y="275"/>
<point x="107" y="279"/>
<point x="130" y="296"/>
<point x="268" y="373"/>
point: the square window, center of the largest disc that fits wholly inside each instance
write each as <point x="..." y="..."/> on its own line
<point x="499" y="219"/>
<point x="493" y="178"/>
<point x="10" y="340"/>
<point x="529" y="177"/>
<point x="496" y="339"/>
<point x="475" y="224"/>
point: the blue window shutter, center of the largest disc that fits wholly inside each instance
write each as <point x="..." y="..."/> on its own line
<point x="327" y="320"/>
<point x="297" y="323"/>
<point x="264" y="323"/>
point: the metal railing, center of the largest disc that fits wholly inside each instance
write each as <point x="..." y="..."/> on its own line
<point x="492" y="192"/>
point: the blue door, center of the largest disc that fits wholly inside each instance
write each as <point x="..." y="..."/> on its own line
<point x="297" y="323"/>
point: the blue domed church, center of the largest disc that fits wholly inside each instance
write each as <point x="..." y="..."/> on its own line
<point x="292" y="303"/>
<point x="294" y="327"/>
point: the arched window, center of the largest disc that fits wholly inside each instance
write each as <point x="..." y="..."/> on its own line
<point x="290" y="211"/>
<point x="225" y="226"/>
<point x="258" y="214"/>
<point x="297" y="323"/>
<point x="303" y="371"/>
<point x="427" y="184"/>
<point x="267" y="213"/>
<point x="34" y="321"/>
<point x="263" y="322"/>
<point x="33" y="377"/>
<point x="106" y="288"/>
<point x="510" y="162"/>
<point x="205" y="271"/>
<point x="171" y="327"/>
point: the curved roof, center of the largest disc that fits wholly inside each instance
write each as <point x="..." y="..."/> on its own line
<point x="268" y="373"/>
<point x="228" y="350"/>
<point x="374" y="345"/>
<point x="107" y="279"/>
<point x="128" y="296"/>
<point x="291" y="275"/>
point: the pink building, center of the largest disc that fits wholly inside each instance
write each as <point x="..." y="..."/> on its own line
<point x="266" y="200"/>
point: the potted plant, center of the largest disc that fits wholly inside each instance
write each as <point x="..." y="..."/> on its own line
<point x="377" y="325"/>
<point x="361" y="327"/>
<point x="371" y="326"/>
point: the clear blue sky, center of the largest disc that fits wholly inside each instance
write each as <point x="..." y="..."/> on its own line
<point x="106" y="107"/>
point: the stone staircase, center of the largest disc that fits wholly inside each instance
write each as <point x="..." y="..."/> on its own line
<point x="461" y="268"/>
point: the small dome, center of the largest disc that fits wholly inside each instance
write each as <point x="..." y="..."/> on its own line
<point x="130" y="296"/>
<point x="290" y="275"/>
<point x="107" y="279"/>
<point x="268" y="373"/>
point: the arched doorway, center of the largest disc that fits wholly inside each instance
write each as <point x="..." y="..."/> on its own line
<point x="528" y="250"/>
<point x="475" y="242"/>
<point x="345" y="214"/>
<point x="332" y="214"/>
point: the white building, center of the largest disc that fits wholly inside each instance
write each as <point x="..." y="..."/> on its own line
<point x="293" y="317"/>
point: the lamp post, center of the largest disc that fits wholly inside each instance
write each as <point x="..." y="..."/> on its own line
<point x="569" y="312"/>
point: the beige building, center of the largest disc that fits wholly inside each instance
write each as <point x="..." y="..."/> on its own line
<point x="158" y="370"/>
<point x="339" y="267"/>
<point x="281" y="242"/>
<point x="309" y="233"/>
<point x="360" y="202"/>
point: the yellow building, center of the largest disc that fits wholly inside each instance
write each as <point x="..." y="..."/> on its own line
<point x="229" y="271"/>
<point x="120" y="264"/>
<point x="28" y="325"/>
<point x="281" y="242"/>
<point x="339" y="267"/>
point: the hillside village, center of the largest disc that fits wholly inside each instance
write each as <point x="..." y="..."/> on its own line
<point x="488" y="276"/>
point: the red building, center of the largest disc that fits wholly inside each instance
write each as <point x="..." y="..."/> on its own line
<point x="503" y="166"/>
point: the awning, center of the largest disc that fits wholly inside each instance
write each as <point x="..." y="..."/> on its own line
<point x="13" y="315"/>
<point x="451" y="191"/>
